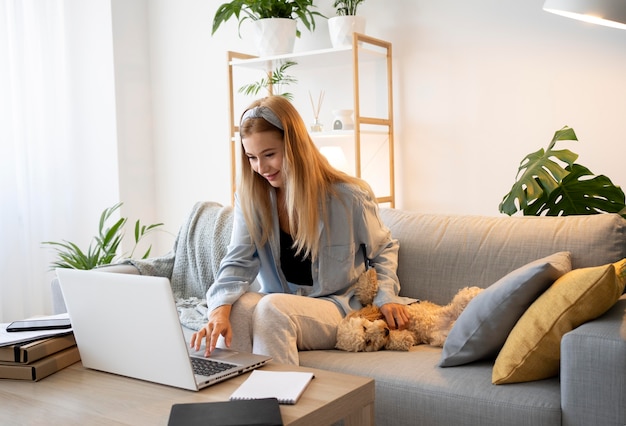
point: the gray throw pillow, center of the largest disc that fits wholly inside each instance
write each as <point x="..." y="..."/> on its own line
<point x="484" y="325"/>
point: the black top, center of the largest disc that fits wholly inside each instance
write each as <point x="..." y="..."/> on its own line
<point x="297" y="269"/>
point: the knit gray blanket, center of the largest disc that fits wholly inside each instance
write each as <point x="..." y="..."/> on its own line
<point x="194" y="261"/>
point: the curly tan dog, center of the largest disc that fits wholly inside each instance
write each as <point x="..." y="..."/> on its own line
<point x="366" y="330"/>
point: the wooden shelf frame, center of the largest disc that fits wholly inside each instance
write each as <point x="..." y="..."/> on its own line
<point x="363" y="48"/>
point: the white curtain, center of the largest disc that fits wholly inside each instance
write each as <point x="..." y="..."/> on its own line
<point x="58" y="165"/>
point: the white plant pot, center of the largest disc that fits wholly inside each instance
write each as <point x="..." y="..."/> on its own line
<point x="274" y="36"/>
<point x="340" y="29"/>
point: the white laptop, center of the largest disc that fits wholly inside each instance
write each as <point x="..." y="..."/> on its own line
<point x="128" y="325"/>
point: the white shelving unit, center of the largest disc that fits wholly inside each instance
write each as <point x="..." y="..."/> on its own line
<point x="371" y="143"/>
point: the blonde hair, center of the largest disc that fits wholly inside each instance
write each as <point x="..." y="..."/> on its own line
<point x="308" y="180"/>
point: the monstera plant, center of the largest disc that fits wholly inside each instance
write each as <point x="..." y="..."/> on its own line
<point x="544" y="187"/>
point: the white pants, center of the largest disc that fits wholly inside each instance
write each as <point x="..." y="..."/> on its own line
<point x="279" y="325"/>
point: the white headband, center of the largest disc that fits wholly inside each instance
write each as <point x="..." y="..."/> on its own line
<point x="262" y="112"/>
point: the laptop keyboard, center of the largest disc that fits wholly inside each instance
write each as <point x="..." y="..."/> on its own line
<point x="208" y="367"/>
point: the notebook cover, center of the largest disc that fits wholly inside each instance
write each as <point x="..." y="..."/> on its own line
<point x="38" y="349"/>
<point x="256" y="412"/>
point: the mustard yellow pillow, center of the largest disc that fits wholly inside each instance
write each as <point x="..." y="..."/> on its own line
<point x="533" y="349"/>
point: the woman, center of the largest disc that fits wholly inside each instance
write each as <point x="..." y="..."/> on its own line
<point x="305" y="231"/>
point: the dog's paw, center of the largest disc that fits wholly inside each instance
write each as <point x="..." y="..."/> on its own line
<point x="366" y="287"/>
<point x="400" y="340"/>
<point x="350" y="335"/>
<point x="439" y="338"/>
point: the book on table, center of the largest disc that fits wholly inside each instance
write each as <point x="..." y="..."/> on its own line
<point x="40" y="368"/>
<point x="35" y="350"/>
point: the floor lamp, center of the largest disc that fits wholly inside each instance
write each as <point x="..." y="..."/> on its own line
<point x="610" y="13"/>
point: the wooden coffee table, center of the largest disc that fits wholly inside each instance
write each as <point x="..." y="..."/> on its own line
<point x="77" y="395"/>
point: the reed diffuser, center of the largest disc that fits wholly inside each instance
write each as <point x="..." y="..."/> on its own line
<point x="317" y="126"/>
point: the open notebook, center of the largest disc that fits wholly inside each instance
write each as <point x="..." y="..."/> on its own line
<point x="286" y="386"/>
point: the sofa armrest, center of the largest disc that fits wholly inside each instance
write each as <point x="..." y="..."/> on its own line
<point x="58" y="304"/>
<point x="593" y="371"/>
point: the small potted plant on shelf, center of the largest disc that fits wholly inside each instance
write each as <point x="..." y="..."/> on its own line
<point x="342" y="26"/>
<point x="274" y="21"/>
<point x="347" y="7"/>
<point x="273" y="82"/>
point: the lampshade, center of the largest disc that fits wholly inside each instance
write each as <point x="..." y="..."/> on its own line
<point x="610" y="13"/>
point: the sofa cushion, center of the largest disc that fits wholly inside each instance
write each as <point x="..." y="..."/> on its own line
<point x="484" y="325"/>
<point x="532" y="350"/>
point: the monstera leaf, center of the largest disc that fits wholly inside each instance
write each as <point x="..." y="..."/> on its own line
<point x="580" y="192"/>
<point x="544" y="187"/>
<point x="539" y="173"/>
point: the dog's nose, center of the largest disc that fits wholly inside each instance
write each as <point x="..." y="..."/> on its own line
<point x="386" y="332"/>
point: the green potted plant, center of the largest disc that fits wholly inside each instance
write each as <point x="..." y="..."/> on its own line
<point x="347" y="7"/>
<point x="104" y="247"/>
<point x="544" y="187"/>
<point x="342" y="26"/>
<point x="272" y="82"/>
<point x="267" y="15"/>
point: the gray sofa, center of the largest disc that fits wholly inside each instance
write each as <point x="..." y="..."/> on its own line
<point x="440" y="254"/>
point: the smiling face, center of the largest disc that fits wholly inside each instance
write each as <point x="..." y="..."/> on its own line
<point x="265" y="154"/>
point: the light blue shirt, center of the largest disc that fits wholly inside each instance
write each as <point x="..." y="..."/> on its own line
<point x="354" y="223"/>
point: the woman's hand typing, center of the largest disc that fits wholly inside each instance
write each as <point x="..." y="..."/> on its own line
<point x="218" y="325"/>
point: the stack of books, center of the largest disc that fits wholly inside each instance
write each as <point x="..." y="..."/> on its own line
<point x="39" y="358"/>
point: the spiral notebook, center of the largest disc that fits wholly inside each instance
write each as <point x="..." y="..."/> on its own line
<point x="286" y="386"/>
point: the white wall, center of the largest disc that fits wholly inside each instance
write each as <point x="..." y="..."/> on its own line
<point x="483" y="83"/>
<point x="478" y="85"/>
<point x="133" y="94"/>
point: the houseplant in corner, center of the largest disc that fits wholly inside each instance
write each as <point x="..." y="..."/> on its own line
<point x="544" y="187"/>
<point x="342" y="26"/>
<point x="107" y="242"/>
<point x="274" y="21"/>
